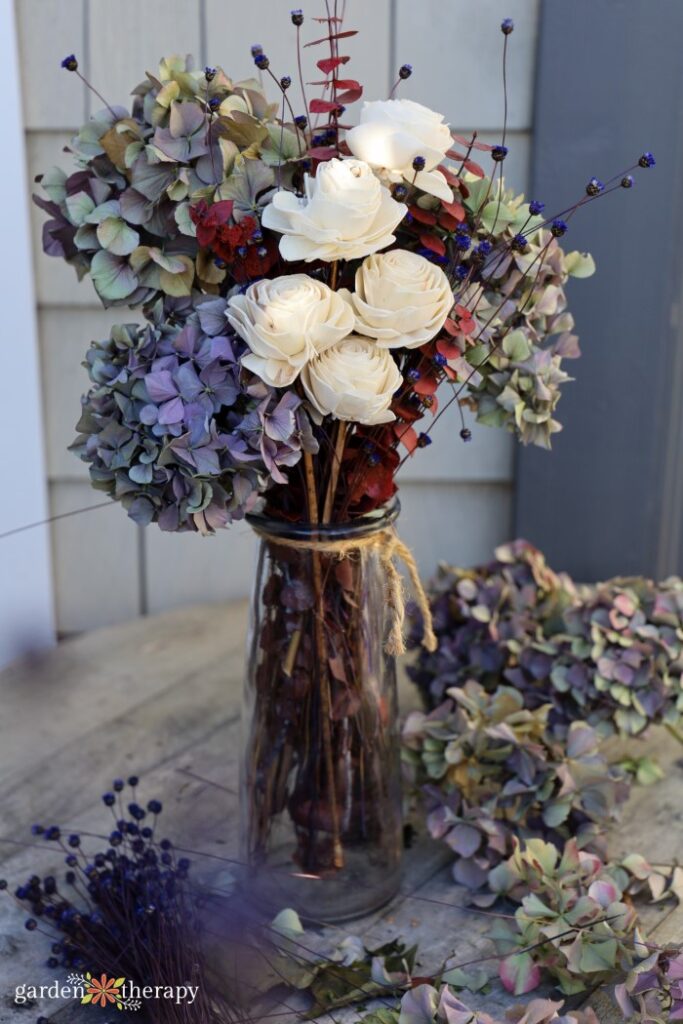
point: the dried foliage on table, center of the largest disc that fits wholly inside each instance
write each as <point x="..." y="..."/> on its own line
<point x="521" y="787"/>
<point x="491" y="770"/>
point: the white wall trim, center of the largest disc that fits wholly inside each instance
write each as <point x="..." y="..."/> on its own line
<point x="26" y="602"/>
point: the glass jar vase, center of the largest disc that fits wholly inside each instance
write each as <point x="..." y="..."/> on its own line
<point x="320" y="786"/>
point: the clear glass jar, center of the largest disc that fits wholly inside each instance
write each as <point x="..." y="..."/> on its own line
<point x="320" y="783"/>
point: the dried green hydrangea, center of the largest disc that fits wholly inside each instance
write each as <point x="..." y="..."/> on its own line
<point x="129" y="216"/>
<point x="516" y="292"/>
<point x="572" y="921"/>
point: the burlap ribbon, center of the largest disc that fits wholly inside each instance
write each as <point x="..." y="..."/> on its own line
<point x="389" y="547"/>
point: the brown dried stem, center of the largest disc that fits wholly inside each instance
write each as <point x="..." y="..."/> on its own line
<point x="337" y="453"/>
<point x="321" y="650"/>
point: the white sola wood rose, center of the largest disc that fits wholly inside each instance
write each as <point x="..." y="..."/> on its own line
<point x="285" y="322"/>
<point x="346" y="213"/>
<point x="354" y="380"/>
<point x="401" y="299"/>
<point x="392" y="133"/>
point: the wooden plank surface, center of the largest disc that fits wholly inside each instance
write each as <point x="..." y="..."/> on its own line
<point x="160" y="697"/>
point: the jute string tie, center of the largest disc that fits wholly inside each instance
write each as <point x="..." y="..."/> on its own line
<point x="390" y="548"/>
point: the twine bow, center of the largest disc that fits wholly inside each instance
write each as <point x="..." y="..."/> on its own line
<point x="390" y="547"/>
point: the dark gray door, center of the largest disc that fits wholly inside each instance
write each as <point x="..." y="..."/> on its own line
<point x="609" y="498"/>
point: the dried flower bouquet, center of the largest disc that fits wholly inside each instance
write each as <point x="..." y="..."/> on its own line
<point x="309" y="280"/>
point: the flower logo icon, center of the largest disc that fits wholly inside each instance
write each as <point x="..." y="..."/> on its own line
<point x="103" y="991"/>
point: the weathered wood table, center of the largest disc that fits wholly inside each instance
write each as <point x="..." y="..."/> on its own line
<point x="160" y="697"/>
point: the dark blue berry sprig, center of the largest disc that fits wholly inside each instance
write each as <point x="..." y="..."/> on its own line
<point x="594" y="187"/>
<point x="462" y="240"/>
<point x="404" y="72"/>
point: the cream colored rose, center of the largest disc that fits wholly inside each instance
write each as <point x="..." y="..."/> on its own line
<point x="392" y="133"/>
<point x="401" y="299"/>
<point x="345" y="214"/>
<point x="285" y="322"/>
<point x="354" y="380"/>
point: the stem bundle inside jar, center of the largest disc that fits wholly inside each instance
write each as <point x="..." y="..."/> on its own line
<point x="322" y="726"/>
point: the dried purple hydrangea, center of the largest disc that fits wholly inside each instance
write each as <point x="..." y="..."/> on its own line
<point x="611" y="654"/>
<point x="619" y="655"/>
<point x="653" y="989"/>
<point x="486" y="617"/>
<point x="174" y="428"/>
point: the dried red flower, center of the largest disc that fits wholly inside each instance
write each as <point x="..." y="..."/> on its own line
<point x="239" y="245"/>
<point x="208" y="219"/>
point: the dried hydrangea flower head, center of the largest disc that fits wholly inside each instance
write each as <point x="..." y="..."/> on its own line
<point x="171" y="428"/>
<point x="611" y="653"/>
<point x="490" y="769"/>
